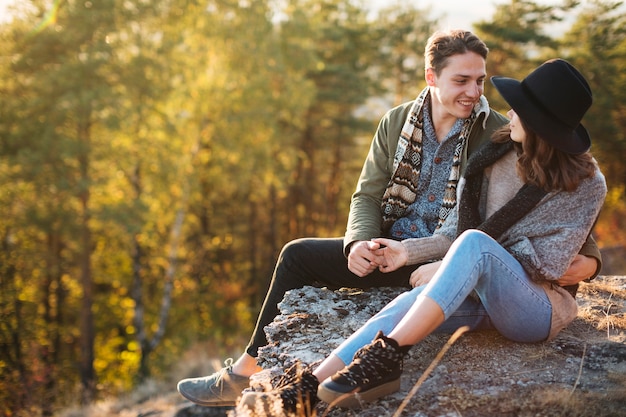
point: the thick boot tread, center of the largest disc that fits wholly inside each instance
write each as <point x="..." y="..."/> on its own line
<point x="357" y="399"/>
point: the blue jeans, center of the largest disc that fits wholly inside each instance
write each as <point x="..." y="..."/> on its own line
<point x="479" y="285"/>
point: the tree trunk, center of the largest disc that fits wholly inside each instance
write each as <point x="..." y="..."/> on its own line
<point x="87" y="372"/>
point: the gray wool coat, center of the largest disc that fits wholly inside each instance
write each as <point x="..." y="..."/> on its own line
<point x="545" y="241"/>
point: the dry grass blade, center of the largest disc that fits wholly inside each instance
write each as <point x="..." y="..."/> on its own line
<point x="607" y="314"/>
<point x="580" y="370"/>
<point x="430" y="368"/>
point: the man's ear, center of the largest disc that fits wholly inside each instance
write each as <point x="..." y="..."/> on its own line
<point x="430" y="77"/>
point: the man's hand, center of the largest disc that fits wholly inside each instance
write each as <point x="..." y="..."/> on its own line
<point x="581" y="268"/>
<point x="423" y="274"/>
<point x="365" y="256"/>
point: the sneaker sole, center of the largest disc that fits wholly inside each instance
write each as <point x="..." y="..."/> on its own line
<point x="356" y="399"/>
<point x="225" y="403"/>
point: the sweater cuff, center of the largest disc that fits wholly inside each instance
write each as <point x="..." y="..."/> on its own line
<point x="426" y="249"/>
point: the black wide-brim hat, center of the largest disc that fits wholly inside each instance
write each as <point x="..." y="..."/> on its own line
<point x="551" y="101"/>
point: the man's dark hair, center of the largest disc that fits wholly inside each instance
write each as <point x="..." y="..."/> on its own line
<point x="442" y="45"/>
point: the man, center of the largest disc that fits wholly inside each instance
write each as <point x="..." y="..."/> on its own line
<point x="405" y="190"/>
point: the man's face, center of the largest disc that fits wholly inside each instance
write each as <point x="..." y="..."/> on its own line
<point x="458" y="88"/>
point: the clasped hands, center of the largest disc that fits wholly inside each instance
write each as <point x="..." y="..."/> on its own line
<point x="388" y="255"/>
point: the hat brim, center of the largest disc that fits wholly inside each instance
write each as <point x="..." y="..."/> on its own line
<point x="550" y="129"/>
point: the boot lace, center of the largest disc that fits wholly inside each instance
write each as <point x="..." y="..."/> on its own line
<point x="371" y="363"/>
<point x="297" y="386"/>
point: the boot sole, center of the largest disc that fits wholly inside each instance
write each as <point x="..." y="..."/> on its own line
<point x="356" y="399"/>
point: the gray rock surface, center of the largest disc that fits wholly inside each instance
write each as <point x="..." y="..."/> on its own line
<point x="580" y="373"/>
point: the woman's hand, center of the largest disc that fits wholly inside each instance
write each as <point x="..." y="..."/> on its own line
<point x="394" y="252"/>
<point x="581" y="268"/>
<point x="423" y="274"/>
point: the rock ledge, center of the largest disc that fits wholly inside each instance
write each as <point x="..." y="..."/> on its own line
<point x="580" y="373"/>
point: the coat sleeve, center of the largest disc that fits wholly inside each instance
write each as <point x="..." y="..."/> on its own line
<point x="546" y="240"/>
<point x="365" y="217"/>
<point x="435" y="247"/>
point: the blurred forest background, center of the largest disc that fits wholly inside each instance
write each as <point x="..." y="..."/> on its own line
<point x="156" y="155"/>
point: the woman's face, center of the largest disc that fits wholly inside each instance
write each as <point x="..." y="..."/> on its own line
<point x="518" y="134"/>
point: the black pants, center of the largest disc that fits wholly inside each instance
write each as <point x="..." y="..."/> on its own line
<point x="320" y="263"/>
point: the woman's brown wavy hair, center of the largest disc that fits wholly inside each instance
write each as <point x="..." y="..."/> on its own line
<point x="543" y="165"/>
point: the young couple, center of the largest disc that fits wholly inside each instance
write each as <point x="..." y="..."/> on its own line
<point x="512" y="214"/>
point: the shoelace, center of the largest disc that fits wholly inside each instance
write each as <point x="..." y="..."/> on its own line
<point x="227" y="369"/>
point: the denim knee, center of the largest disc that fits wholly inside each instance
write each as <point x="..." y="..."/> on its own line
<point x="473" y="237"/>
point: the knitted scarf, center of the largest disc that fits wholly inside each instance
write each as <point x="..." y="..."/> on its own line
<point x="526" y="198"/>
<point x="401" y="190"/>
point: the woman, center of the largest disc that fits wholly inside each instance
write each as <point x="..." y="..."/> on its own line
<point x="528" y="200"/>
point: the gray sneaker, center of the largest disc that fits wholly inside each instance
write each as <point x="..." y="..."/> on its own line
<point x="223" y="388"/>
